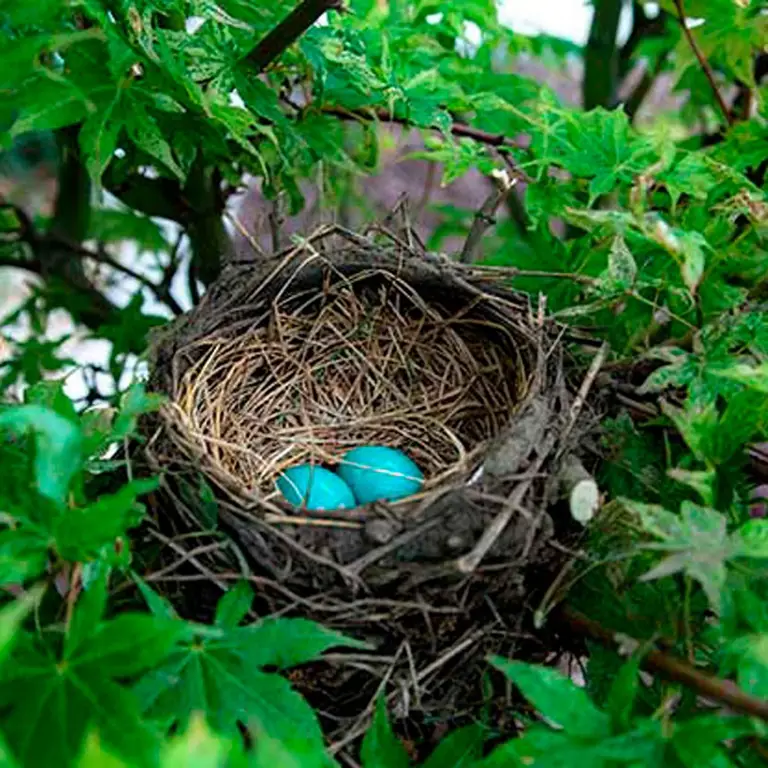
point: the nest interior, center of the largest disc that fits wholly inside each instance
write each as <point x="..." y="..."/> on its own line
<point x="359" y="360"/>
<point x="349" y="340"/>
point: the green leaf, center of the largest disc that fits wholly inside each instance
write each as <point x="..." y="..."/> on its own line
<point x="157" y="605"/>
<point x="218" y="673"/>
<point x="752" y="539"/>
<point x="699" y="542"/>
<point x="12" y="616"/>
<point x="53" y="701"/>
<point x="697" y="742"/>
<point x="98" y="138"/>
<point x="48" y="104"/>
<point x="23" y="555"/>
<point x="285" y="643"/>
<point x="130" y="643"/>
<point x="687" y="248"/>
<point x="623" y="693"/>
<point x="95" y="756"/>
<point x="381" y="748"/>
<point x="602" y="146"/>
<point x="752" y="667"/>
<point x="81" y="532"/>
<point x="698" y="425"/>
<point x="459" y="749"/>
<point x="270" y="753"/>
<point x="701" y="481"/>
<point x="116" y="226"/>
<point x="148" y="137"/>
<point x="90" y="611"/>
<point x="622" y="269"/>
<point x="199" y="747"/>
<point x="693" y="259"/>
<point x="556" y="697"/>
<point x="58" y="444"/>
<point x="643" y="746"/>
<point x="754" y="377"/>
<point x="50" y="394"/>
<point x="234" y="606"/>
<point x="134" y="403"/>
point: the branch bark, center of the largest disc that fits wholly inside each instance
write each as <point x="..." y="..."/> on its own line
<point x="288" y="31"/>
<point x="459" y="130"/>
<point x="601" y="56"/>
<point x="671" y="668"/>
<point x="485" y="217"/>
<point x="706" y="68"/>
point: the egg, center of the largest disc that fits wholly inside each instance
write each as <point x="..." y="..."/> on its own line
<point x="379" y="473"/>
<point x="313" y="487"/>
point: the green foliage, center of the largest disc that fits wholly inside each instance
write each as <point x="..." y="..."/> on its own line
<point x="649" y="234"/>
<point x="607" y="738"/>
<point x="219" y="672"/>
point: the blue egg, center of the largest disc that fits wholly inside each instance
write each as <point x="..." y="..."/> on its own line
<point x="313" y="487"/>
<point x="379" y="473"/>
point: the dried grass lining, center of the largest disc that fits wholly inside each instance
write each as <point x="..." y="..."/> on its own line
<point x="357" y="361"/>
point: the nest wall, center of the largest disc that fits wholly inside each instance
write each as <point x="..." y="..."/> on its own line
<point x="351" y="339"/>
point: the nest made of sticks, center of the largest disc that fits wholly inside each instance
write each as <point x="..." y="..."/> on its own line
<point x="347" y="340"/>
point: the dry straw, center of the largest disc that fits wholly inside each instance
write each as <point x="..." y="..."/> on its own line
<point x="349" y="340"/>
<point x="359" y="362"/>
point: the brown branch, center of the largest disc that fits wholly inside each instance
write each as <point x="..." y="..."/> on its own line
<point x="670" y="667"/>
<point x="288" y="31"/>
<point x="460" y="130"/>
<point x="485" y="217"/>
<point x="706" y="68"/>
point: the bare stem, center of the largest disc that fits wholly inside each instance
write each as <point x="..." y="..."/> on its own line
<point x="485" y="217"/>
<point x="670" y="667"/>
<point x="460" y="130"/>
<point x="706" y="68"/>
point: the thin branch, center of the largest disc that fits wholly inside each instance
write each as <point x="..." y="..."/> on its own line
<point x="724" y="691"/>
<point x="289" y="30"/>
<point x="710" y="75"/>
<point x="39" y="245"/>
<point x="457" y="129"/>
<point x="485" y="217"/>
<point x="160" y="292"/>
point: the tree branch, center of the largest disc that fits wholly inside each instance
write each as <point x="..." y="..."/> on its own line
<point x="160" y="292"/>
<point x="670" y="667"/>
<point x="601" y="59"/>
<point x="460" y="130"/>
<point x="288" y="31"/>
<point x="707" y="69"/>
<point x="485" y="216"/>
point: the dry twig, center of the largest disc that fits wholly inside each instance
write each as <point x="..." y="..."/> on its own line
<point x="670" y="667"/>
<point x="485" y="216"/>
<point x="705" y="66"/>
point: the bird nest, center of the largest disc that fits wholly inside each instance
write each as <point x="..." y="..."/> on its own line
<point x="349" y="340"/>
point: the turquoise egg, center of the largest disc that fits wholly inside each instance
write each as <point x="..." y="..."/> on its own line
<point x="314" y="487"/>
<point x="378" y="473"/>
